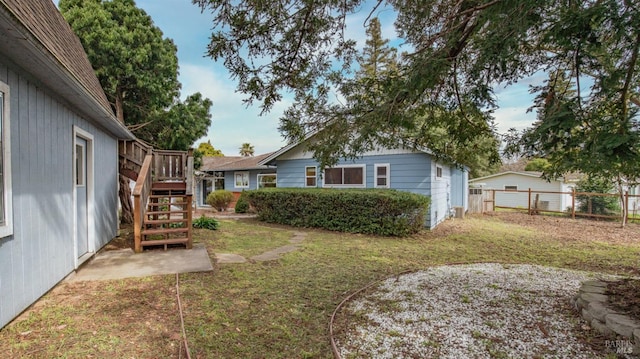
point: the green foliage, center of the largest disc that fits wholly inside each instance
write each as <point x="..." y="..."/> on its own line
<point x="382" y="212"/>
<point x="246" y="150"/>
<point x="138" y="70"/>
<point x="206" y="223"/>
<point x="242" y="205"/>
<point x="537" y="164"/>
<point x="606" y="205"/>
<point x="459" y="52"/>
<point x="208" y="150"/>
<point x="220" y="199"/>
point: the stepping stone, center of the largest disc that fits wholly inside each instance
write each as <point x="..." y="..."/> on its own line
<point x="230" y="258"/>
<point x="274" y="254"/>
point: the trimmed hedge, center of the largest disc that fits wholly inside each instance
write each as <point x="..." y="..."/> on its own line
<point x="371" y="211"/>
<point x="242" y="205"/>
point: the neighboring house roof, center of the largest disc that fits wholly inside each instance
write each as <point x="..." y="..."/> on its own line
<point x="234" y="163"/>
<point x="36" y="37"/>
<point x="568" y="178"/>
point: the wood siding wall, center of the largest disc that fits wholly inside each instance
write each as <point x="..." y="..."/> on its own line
<point x="411" y="172"/>
<point x="40" y="253"/>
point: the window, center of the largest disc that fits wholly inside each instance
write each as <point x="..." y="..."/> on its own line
<point x="310" y="176"/>
<point x="218" y="180"/>
<point x="382" y="174"/>
<point x="473" y="191"/>
<point x="511" y="188"/>
<point x="241" y="179"/>
<point x="346" y="176"/>
<point x="438" y="172"/>
<point x="6" y="215"/>
<point x="267" y="180"/>
<point x="80" y="161"/>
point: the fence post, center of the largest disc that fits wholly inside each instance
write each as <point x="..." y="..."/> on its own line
<point x="529" y="202"/>
<point x="573" y="203"/>
<point x="493" y="199"/>
<point x="625" y="210"/>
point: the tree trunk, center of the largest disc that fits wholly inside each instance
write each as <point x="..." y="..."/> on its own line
<point x="119" y="106"/>
<point x="126" y="216"/>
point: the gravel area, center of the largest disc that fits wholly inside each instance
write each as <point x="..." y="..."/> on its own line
<point x="467" y="311"/>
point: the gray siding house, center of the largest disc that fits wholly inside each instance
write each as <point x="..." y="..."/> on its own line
<point x="400" y="169"/>
<point x="59" y="155"/>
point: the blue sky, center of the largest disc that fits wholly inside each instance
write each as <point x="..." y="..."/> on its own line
<point x="232" y="122"/>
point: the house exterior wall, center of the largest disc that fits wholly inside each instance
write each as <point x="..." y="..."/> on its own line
<point x="409" y="171"/>
<point x="40" y="252"/>
<point x="553" y="202"/>
<point x="229" y="183"/>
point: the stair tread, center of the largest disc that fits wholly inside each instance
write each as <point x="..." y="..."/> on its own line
<point x="165" y="212"/>
<point x="164" y="220"/>
<point x="164" y="241"/>
<point x="164" y="230"/>
<point x="151" y="204"/>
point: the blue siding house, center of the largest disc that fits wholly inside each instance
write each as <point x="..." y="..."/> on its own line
<point x="59" y="155"/>
<point x="232" y="173"/>
<point x="400" y="169"/>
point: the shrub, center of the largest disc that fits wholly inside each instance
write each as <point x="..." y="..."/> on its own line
<point x="206" y="223"/>
<point x="606" y="205"/>
<point x="219" y="199"/>
<point x="372" y="211"/>
<point x="242" y="206"/>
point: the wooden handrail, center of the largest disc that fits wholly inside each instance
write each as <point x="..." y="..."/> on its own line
<point x="140" y="197"/>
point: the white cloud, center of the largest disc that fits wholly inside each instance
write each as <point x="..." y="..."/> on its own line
<point x="233" y="123"/>
<point x="513" y="117"/>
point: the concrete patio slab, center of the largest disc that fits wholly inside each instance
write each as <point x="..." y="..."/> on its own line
<point x="124" y="263"/>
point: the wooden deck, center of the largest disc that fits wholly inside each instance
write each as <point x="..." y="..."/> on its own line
<point x="162" y="196"/>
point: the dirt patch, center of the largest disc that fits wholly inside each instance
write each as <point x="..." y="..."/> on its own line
<point x="624" y="296"/>
<point x="568" y="229"/>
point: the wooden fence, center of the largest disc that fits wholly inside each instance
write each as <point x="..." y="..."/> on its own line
<point x="571" y="203"/>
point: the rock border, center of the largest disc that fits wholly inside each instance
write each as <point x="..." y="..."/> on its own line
<point x="622" y="331"/>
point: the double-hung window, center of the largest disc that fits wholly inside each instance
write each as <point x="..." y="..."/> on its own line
<point x="345" y="176"/>
<point x="382" y="175"/>
<point x="241" y="179"/>
<point x="6" y="208"/>
<point x="310" y="176"/>
<point x="267" y="180"/>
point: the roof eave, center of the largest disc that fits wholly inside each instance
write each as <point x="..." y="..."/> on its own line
<point x="22" y="48"/>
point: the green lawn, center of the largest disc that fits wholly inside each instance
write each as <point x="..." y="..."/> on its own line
<point x="278" y="309"/>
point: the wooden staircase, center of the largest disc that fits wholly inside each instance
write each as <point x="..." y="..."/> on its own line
<point x="162" y="197"/>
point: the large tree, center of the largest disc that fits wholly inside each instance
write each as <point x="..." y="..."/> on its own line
<point x="138" y="70"/>
<point x="207" y="150"/>
<point x="459" y="50"/>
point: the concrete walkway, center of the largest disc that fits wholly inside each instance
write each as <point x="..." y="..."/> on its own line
<point x="124" y="263"/>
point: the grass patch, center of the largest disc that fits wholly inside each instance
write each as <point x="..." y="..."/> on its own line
<point x="277" y="309"/>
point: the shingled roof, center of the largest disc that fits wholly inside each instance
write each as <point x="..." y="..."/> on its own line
<point x="234" y="163"/>
<point x="54" y="55"/>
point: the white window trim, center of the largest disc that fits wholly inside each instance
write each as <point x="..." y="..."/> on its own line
<point x="242" y="173"/>
<point x="315" y="176"/>
<point x="258" y="178"/>
<point x="375" y="175"/>
<point x="441" y="172"/>
<point x="510" y="190"/>
<point x="364" y="178"/>
<point x="7" y="228"/>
